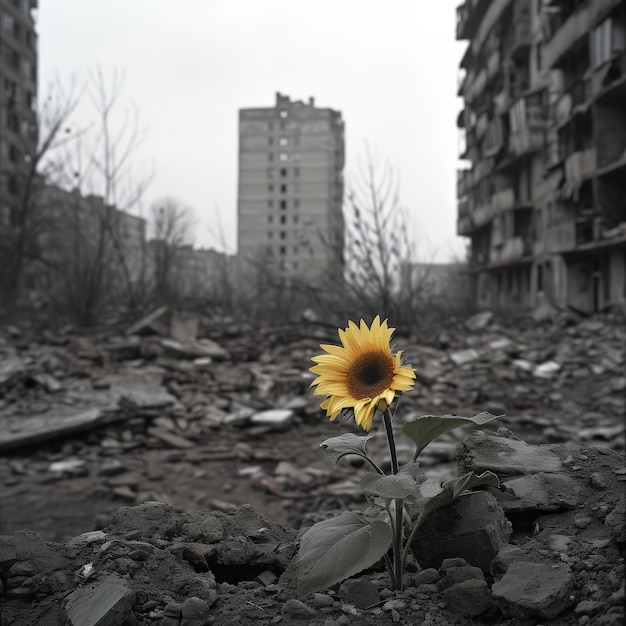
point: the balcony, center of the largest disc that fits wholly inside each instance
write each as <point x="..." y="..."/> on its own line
<point x="468" y="17"/>
<point x="579" y="166"/>
<point x="464" y="181"/>
<point x="560" y="237"/>
<point x="575" y="27"/>
<point x="527" y="127"/>
<point x="512" y="250"/>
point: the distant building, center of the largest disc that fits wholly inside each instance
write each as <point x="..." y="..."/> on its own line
<point x="85" y="249"/>
<point x="291" y="159"/>
<point x="18" y="102"/>
<point x="544" y="130"/>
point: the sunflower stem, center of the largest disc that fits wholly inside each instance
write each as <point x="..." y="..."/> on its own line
<point x="391" y="440"/>
<point x="397" y="519"/>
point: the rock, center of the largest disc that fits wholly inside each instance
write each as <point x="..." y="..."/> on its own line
<point x="534" y="589"/>
<point x="297" y="612"/>
<point x="462" y="357"/>
<point x="360" y="593"/>
<point x="484" y="450"/>
<point x="104" y="603"/>
<point x="472" y="527"/>
<point x="147" y="519"/>
<point x="546" y="370"/>
<point x="543" y="492"/>
<point x="427" y="576"/>
<point x="278" y="418"/>
<point x="195" y="612"/>
<point x="468" y="598"/>
<point x="479" y="321"/>
<point x="171" y="439"/>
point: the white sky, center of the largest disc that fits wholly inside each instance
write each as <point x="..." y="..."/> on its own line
<point x="390" y="67"/>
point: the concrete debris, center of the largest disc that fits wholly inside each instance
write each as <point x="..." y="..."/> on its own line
<point x="188" y="414"/>
<point x="479" y="321"/>
<point x="534" y="589"/>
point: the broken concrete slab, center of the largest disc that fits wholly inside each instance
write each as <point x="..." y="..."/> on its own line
<point x="104" y="603"/>
<point x="156" y="322"/>
<point x="543" y="492"/>
<point x="277" y="418"/>
<point x="479" y="321"/>
<point x="27" y="431"/>
<point x="485" y="450"/>
<point x="534" y="589"/>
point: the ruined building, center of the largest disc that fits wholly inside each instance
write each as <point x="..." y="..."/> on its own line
<point x="291" y="159"/>
<point x="18" y="100"/>
<point x="544" y="131"/>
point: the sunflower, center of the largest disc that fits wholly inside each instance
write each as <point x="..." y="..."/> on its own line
<point x="362" y="373"/>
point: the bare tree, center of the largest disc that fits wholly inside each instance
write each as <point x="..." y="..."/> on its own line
<point x="103" y="263"/>
<point x="172" y="230"/>
<point x="39" y="144"/>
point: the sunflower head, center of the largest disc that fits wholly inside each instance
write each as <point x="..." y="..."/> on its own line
<point x="361" y="373"/>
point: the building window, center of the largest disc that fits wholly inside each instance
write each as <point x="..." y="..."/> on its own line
<point x="14" y="187"/>
<point x="270" y="141"/>
<point x="283" y="141"/>
<point x="282" y="250"/>
<point x="283" y="188"/>
<point x="296" y="172"/>
<point x="296" y="203"/>
<point x="295" y="219"/>
<point x="270" y="156"/>
<point x="283" y="234"/>
<point x="14" y="154"/>
<point x="270" y="234"/>
<point x="270" y="203"/>
<point x="270" y="218"/>
<point x="270" y="172"/>
<point x="283" y="172"/>
<point x="270" y="126"/>
<point x="283" y="204"/>
<point x="283" y="113"/>
<point x="283" y="219"/>
<point x="283" y="157"/>
<point x="270" y="188"/>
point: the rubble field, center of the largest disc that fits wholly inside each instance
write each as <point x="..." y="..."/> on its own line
<point x="128" y="458"/>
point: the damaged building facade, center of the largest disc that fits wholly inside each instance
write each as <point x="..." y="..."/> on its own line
<point x="290" y="196"/>
<point x="543" y="196"/>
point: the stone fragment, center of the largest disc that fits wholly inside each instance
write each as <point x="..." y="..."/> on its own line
<point x="195" y="612"/>
<point x="479" y="321"/>
<point x="297" y="612"/>
<point x="70" y="467"/>
<point x="546" y="370"/>
<point x="427" y="576"/>
<point x="105" y="603"/>
<point x="462" y="357"/>
<point x="359" y="593"/>
<point x="455" y="575"/>
<point x="485" y="450"/>
<point x="468" y="598"/>
<point x="278" y="418"/>
<point x="266" y="577"/>
<point x="543" y="492"/>
<point x="170" y="438"/>
<point x="534" y="589"/>
<point x="472" y="527"/>
<point x="147" y="519"/>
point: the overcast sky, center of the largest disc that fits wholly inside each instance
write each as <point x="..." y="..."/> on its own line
<point x="190" y="65"/>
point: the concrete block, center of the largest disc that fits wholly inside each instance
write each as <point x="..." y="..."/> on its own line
<point x="473" y="527"/>
<point x="104" y="603"/>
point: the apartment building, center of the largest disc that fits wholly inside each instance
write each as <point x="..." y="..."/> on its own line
<point x="542" y="195"/>
<point x="18" y="101"/>
<point x="291" y="159"/>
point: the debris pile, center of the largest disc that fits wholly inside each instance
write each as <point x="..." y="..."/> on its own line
<point x="206" y="414"/>
<point x="550" y="555"/>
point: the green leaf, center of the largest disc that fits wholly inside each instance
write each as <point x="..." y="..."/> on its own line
<point x="452" y="489"/>
<point x="335" y="549"/>
<point x="348" y="443"/>
<point x="423" y="430"/>
<point x="400" y="485"/>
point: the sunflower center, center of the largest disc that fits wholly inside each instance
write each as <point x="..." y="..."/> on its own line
<point x="370" y="374"/>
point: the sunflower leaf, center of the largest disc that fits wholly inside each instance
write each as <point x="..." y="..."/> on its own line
<point x="348" y="443"/>
<point x="452" y="489"/>
<point x="401" y="485"/>
<point x="423" y="430"/>
<point x="335" y="549"/>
